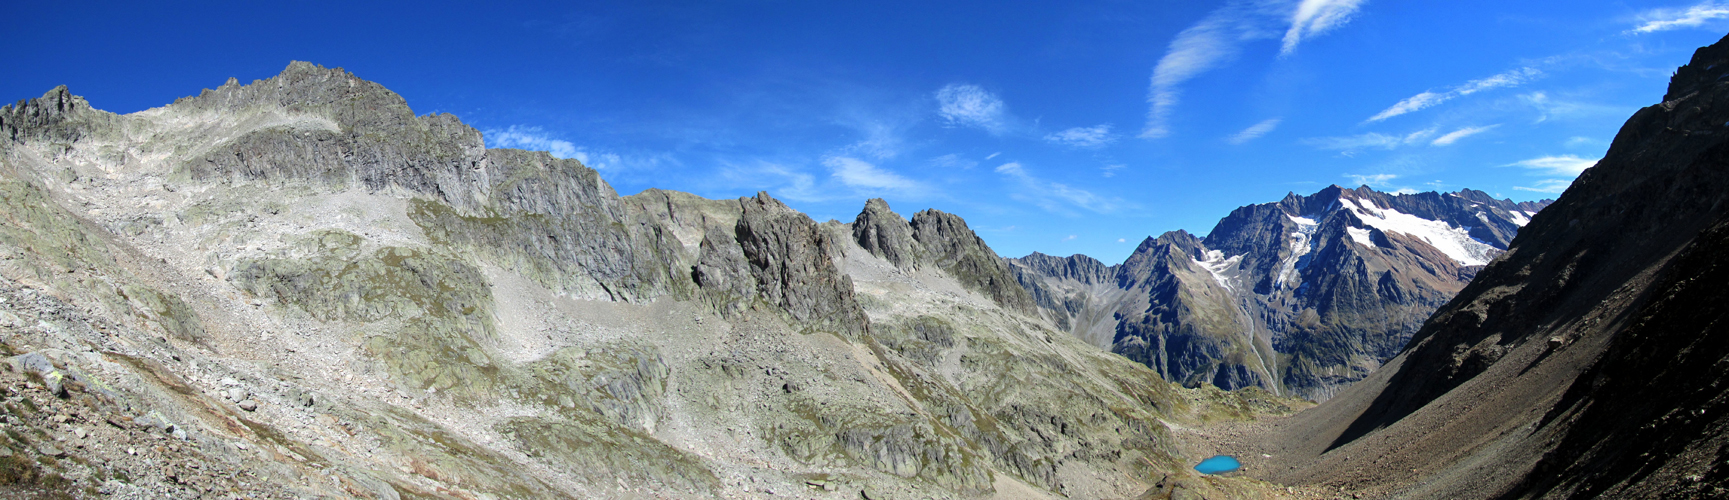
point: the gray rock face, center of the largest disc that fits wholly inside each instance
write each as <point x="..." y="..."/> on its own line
<point x="1080" y="268"/>
<point x="885" y="234"/>
<point x="943" y="240"/>
<point x="568" y="226"/>
<point x="500" y="323"/>
<point x="789" y="258"/>
<point x="376" y="141"/>
<point x="952" y="246"/>
<point x="1302" y="297"/>
<point x="56" y="117"/>
<point x="722" y="272"/>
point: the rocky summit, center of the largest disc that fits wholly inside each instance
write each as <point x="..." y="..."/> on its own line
<point x="1300" y="297"/>
<point x="298" y="288"/>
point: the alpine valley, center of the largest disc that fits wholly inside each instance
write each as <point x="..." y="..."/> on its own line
<point x="299" y="288"/>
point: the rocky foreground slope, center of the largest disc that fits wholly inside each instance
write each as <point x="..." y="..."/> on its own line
<point x="298" y="287"/>
<point x="1589" y="361"/>
<point x="1301" y="297"/>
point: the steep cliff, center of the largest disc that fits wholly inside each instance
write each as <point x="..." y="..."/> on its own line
<point x="1585" y="362"/>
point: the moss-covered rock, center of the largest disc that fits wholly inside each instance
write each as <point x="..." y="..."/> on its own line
<point x="427" y="313"/>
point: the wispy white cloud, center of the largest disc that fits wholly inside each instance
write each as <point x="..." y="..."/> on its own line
<point x="971" y="106"/>
<point x="1071" y="237"/>
<point x="1111" y="170"/>
<point x="1674" y="19"/>
<point x="1314" y="17"/>
<point x="1084" y="137"/>
<point x="599" y="161"/>
<point x="778" y="179"/>
<point x="1582" y="141"/>
<point x="1454" y="136"/>
<point x="1548" y="107"/>
<point x="882" y="140"/>
<point x="1372" y="140"/>
<point x="1547" y="186"/>
<point x="952" y="160"/>
<point x="1254" y="131"/>
<point x="1428" y="99"/>
<point x="1206" y="45"/>
<point x="993" y="155"/>
<point x="1371" y="180"/>
<point x="1219" y="37"/>
<point x="1382" y="182"/>
<point x="864" y="177"/>
<point x="532" y="139"/>
<point x="537" y="139"/>
<point x="1410" y="104"/>
<point x="1568" y="165"/>
<point x="1053" y="196"/>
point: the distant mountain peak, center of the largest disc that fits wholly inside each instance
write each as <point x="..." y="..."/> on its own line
<point x="1301" y="296"/>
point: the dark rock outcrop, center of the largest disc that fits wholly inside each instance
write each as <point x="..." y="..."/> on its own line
<point x="885" y="234"/>
<point x="942" y="240"/>
<point x="1589" y="360"/>
<point x="789" y="258"/>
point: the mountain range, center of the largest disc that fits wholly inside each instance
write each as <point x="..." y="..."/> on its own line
<point x="300" y="288"/>
<point x="1301" y="297"/>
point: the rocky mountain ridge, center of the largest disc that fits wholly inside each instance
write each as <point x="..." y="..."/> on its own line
<point x="303" y="276"/>
<point x="1303" y="296"/>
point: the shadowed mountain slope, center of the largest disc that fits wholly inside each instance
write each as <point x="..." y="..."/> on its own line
<point x="1588" y="361"/>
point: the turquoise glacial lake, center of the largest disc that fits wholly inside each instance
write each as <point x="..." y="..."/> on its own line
<point x="1219" y="464"/>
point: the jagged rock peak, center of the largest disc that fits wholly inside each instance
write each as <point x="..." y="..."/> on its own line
<point x="302" y="86"/>
<point x="45" y="117"/>
<point x="788" y="256"/>
<point x="54" y="101"/>
<point x="1078" y="267"/>
<point x="956" y="249"/>
<point x="1182" y="239"/>
<point x="941" y="239"/>
<point x="1703" y="72"/>
<point x="886" y="234"/>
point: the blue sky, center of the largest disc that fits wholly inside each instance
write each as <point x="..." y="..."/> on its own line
<point x="1061" y="127"/>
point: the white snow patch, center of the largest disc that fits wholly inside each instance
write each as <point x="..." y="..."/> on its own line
<point x="1302" y="242"/>
<point x="1216" y="264"/>
<point x="1457" y="243"/>
<point x="1519" y="218"/>
<point x="1361" y="236"/>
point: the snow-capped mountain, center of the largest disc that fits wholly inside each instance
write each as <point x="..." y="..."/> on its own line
<point x="1301" y="296"/>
